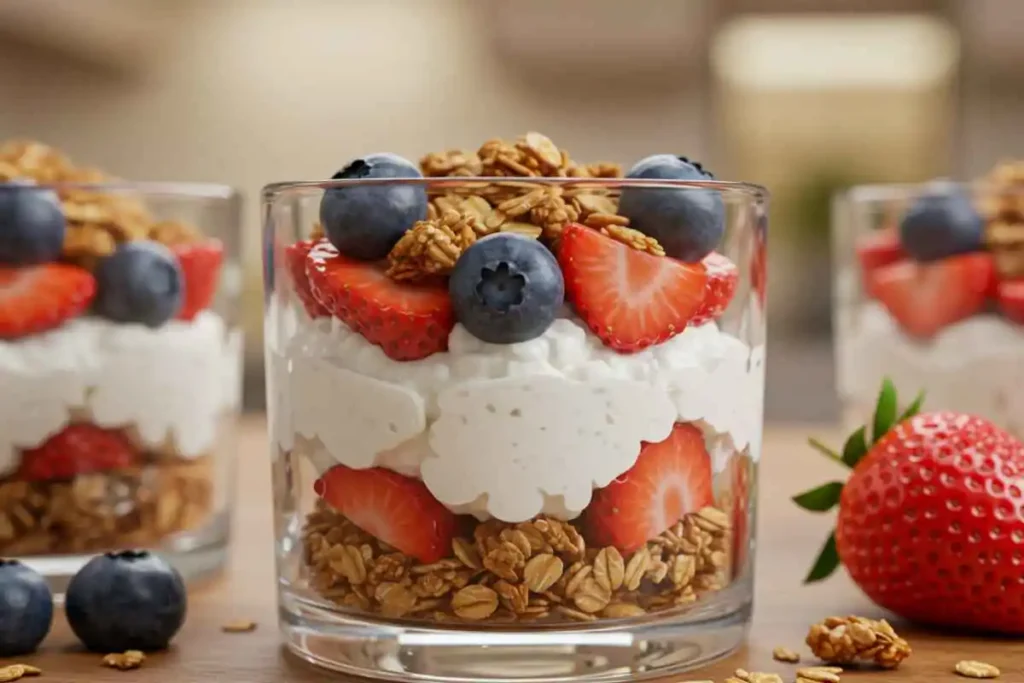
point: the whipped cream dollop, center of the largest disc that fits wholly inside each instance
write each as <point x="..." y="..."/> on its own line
<point x="171" y="385"/>
<point x="506" y="430"/>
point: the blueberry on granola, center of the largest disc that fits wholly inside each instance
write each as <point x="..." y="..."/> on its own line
<point x="941" y="223"/>
<point x="139" y="283"/>
<point x="687" y="222"/>
<point x="32" y="225"/>
<point x="129" y="600"/>
<point x="26" y="609"/>
<point x="506" y="288"/>
<point x="365" y="221"/>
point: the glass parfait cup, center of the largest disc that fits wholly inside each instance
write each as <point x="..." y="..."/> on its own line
<point x="942" y="314"/>
<point x="119" y="405"/>
<point x="576" y="505"/>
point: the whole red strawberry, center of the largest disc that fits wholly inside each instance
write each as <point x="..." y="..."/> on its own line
<point x="931" y="521"/>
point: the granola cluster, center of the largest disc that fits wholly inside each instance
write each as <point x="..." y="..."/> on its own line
<point x="96" y="221"/>
<point x="131" y="507"/>
<point x="843" y="640"/>
<point x="541" y="570"/>
<point x="461" y="212"/>
<point x="1003" y="209"/>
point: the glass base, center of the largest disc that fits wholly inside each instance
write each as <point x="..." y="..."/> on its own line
<point x="651" y="647"/>
<point x="197" y="555"/>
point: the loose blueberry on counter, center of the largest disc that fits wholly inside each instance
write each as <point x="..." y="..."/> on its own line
<point x="687" y="222"/>
<point x="26" y="609"/>
<point x="365" y="221"/>
<point x="31" y="225"/>
<point x="940" y="224"/>
<point x="139" y="283"/>
<point x="506" y="288"/>
<point x="129" y="600"/>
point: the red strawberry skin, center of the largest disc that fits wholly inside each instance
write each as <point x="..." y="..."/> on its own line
<point x="930" y="523"/>
<point x="35" y="299"/>
<point x="628" y="298"/>
<point x="881" y="248"/>
<point x="408" y="321"/>
<point x="1011" y="299"/>
<point x="200" y="265"/>
<point x="392" y="508"/>
<point x="926" y="297"/>
<point x="78" y="449"/>
<point x="295" y="263"/>
<point x="722" y="277"/>
<point x="669" y="479"/>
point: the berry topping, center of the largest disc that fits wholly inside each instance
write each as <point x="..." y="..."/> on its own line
<point x="670" y="479"/>
<point x="26" y="609"/>
<point x="130" y="600"/>
<point x="77" y="449"/>
<point x="392" y="508"/>
<point x="295" y="262"/>
<point x="687" y="222"/>
<point x="926" y="297"/>
<point x="408" y="321"/>
<point x="880" y="248"/>
<point x="365" y="221"/>
<point x="721" y="286"/>
<point x="200" y="268"/>
<point x="31" y="225"/>
<point x="506" y="288"/>
<point x="941" y="223"/>
<point x="628" y="298"/>
<point x="40" y="298"/>
<point x="1011" y="299"/>
<point x="141" y="282"/>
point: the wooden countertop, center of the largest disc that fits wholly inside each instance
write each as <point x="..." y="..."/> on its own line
<point x="788" y="540"/>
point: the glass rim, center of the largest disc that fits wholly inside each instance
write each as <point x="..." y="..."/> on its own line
<point x="743" y="189"/>
<point x="179" y="189"/>
<point x="880" y="192"/>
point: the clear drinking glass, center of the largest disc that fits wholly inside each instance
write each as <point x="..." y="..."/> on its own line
<point x="943" y="313"/>
<point x="117" y="431"/>
<point x="556" y="508"/>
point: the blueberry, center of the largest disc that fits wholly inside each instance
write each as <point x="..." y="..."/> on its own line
<point x="506" y="288"/>
<point x="364" y="222"/>
<point x="689" y="223"/>
<point x="942" y="222"/>
<point x="130" y="600"/>
<point x="31" y="225"/>
<point x="26" y="609"/>
<point x="141" y="282"/>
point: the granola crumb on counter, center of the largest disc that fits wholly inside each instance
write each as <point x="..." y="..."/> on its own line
<point x="784" y="654"/>
<point x="970" y="668"/>
<point x="124" y="661"/>
<point x="818" y="674"/>
<point x="846" y="639"/>
<point x="13" y="672"/>
<point x="239" y="626"/>
<point x="755" y="676"/>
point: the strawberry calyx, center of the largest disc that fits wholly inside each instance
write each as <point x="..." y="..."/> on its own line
<point x="826" y="496"/>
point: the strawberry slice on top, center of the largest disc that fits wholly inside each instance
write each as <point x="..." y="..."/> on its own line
<point x="670" y="479"/>
<point x="408" y="321"/>
<point x="630" y="299"/>
<point x="924" y="298"/>
<point x="35" y="299"/>
<point x="80" y="448"/>
<point x="200" y="267"/>
<point x="392" y="508"/>
<point x="295" y="263"/>
<point x="721" y="287"/>
<point x="1011" y="299"/>
<point x="878" y="249"/>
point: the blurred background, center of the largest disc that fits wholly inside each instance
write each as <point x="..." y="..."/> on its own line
<point x="803" y="97"/>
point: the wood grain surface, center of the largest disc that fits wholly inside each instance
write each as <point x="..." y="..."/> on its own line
<point x="788" y="540"/>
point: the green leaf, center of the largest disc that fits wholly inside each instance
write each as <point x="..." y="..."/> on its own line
<point x="828" y="560"/>
<point x="820" y="499"/>
<point x="855" y="448"/>
<point x="885" y="410"/>
<point x="825" y="450"/>
<point x="914" y="408"/>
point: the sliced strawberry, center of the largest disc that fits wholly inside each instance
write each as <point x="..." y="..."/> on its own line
<point x="669" y="479"/>
<point x="1011" y="300"/>
<point x="77" y="449"/>
<point x="878" y="249"/>
<point x="295" y="262"/>
<point x="408" y="321"/>
<point x="926" y="297"/>
<point x="630" y="299"/>
<point x="200" y="266"/>
<point x="719" y="290"/>
<point x="39" y="298"/>
<point x="392" y="508"/>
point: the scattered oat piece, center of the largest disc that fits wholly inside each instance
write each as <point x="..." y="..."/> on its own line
<point x="757" y="676"/>
<point x="820" y="674"/>
<point x="843" y="640"/>
<point x="15" y="671"/>
<point x="239" y="626"/>
<point x="974" y="669"/>
<point x="784" y="654"/>
<point x="129" y="659"/>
